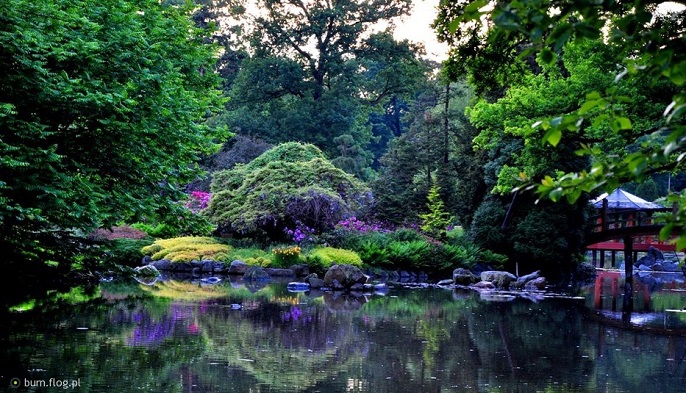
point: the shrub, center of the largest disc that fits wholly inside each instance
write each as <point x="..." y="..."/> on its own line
<point x="127" y="252"/>
<point x="331" y="256"/>
<point x="373" y="253"/>
<point x="290" y="184"/>
<point x="186" y="249"/>
<point x="118" y="232"/>
<point x="286" y="256"/>
<point x="258" y="261"/>
<point x="316" y="264"/>
<point x="247" y="253"/>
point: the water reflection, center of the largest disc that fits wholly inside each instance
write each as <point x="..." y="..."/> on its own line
<point x="229" y="337"/>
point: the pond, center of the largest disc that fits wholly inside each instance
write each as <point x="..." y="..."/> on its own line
<point x="196" y="336"/>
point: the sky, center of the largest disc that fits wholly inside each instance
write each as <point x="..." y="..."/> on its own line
<point x="417" y="28"/>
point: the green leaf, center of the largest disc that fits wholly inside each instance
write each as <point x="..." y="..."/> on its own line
<point x="552" y="136"/>
<point x="547" y="56"/>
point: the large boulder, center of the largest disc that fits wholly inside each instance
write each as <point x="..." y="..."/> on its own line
<point x="238" y="267"/>
<point x="301" y="270"/>
<point x="314" y="281"/>
<point x="146" y="271"/>
<point x="162" y="264"/>
<point x="500" y="279"/>
<point x="521" y="281"/>
<point x="280" y="272"/>
<point x="255" y="273"/>
<point x="538" y="283"/>
<point x="344" y="276"/>
<point x="462" y="276"/>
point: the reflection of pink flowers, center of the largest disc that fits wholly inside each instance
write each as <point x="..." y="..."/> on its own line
<point x="293" y="315"/>
<point x="193" y="328"/>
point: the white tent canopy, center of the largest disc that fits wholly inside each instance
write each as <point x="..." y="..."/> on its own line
<point x="620" y="199"/>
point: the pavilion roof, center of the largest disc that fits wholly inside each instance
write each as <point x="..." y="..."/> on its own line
<point x="620" y="199"/>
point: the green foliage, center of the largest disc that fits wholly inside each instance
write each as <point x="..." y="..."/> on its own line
<point x="286" y="256"/>
<point x="125" y="252"/>
<point x="186" y="249"/>
<point x="289" y="89"/>
<point x="331" y="256"/>
<point x="288" y="185"/>
<point x="101" y="117"/>
<point x="649" y="45"/>
<point x="436" y="221"/>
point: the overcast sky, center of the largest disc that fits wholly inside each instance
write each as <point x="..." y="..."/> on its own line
<point x="417" y="28"/>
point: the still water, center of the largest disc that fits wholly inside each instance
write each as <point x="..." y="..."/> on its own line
<point x="191" y="336"/>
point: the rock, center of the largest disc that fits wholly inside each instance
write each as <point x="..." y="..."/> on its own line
<point x="298" y="286"/>
<point x="484" y="285"/>
<point x="537" y="283"/>
<point x="357" y="287"/>
<point x="197" y="264"/>
<point x="314" y="281"/>
<point x="655" y="253"/>
<point x="646" y="260"/>
<point x="146" y="271"/>
<point x="147" y="260"/>
<point x="344" y="276"/>
<point x="381" y="289"/>
<point x="462" y="276"/>
<point x="280" y="272"/>
<point x="207" y="266"/>
<point x="211" y="280"/>
<point x="671" y="266"/>
<point x="498" y="278"/>
<point x="162" y="264"/>
<point x="521" y="281"/>
<point x="196" y="272"/>
<point x="219" y="267"/>
<point x="393" y="276"/>
<point x="445" y="283"/>
<point x="301" y="270"/>
<point x="182" y="266"/>
<point x="255" y="273"/>
<point x="238" y="267"/>
<point x="657" y="267"/>
<point x="422" y="277"/>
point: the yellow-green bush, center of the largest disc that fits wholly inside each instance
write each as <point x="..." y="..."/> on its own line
<point x="331" y="256"/>
<point x="186" y="249"/>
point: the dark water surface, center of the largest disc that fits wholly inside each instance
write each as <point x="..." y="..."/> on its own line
<point x="177" y="336"/>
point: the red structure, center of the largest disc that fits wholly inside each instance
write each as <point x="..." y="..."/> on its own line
<point x="626" y="223"/>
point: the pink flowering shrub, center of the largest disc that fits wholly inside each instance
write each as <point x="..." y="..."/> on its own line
<point x="198" y="201"/>
<point x="353" y="224"/>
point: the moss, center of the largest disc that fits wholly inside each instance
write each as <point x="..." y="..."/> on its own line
<point x="186" y="249"/>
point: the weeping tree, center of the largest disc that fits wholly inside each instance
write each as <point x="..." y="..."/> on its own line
<point x="288" y="186"/>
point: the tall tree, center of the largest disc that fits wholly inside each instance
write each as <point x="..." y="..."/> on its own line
<point x="648" y="44"/>
<point x="318" y="69"/>
<point x="432" y="150"/>
<point x="101" y="116"/>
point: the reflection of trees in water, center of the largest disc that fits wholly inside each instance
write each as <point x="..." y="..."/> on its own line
<point x="418" y="341"/>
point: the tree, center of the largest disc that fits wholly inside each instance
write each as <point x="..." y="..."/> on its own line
<point x="648" y="46"/>
<point x="101" y="117"/>
<point x="318" y="70"/>
<point x="437" y="219"/>
<point x="288" y="186"/>
<point x="437" y="146"/>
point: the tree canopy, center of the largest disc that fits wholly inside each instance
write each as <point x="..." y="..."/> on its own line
<point x="645" y="51"/>
<point x="317" y="70"/>
<point x="102" y="106"/>
<point x="288" y="186"/>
